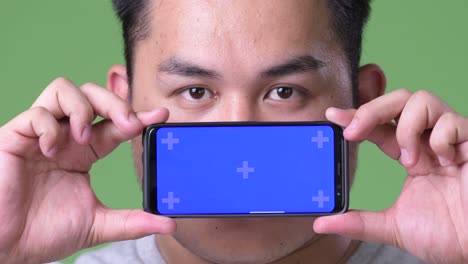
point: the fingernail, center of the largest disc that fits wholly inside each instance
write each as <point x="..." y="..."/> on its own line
<point x="167" y="220"/>
<point x="86" y="132"/>
<point x="330" y="110"/>
<point x="443" y="161"/>
<point x="353" y="125"/>
<point x="405" y="157"/>
<point x="51" y="151"/>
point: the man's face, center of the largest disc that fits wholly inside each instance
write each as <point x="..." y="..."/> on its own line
<point x="240" y="61"/>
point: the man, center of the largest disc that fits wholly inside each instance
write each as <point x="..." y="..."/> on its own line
<point x="206" y="61"/>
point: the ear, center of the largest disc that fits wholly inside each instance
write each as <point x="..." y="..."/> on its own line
<point x="372" y="83"/>
<point x="117" y="81"/>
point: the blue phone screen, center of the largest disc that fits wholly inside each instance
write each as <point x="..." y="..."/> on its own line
<point x="242" y="170"/>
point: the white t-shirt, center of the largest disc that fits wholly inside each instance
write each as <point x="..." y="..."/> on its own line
<point x="145" y="251"/>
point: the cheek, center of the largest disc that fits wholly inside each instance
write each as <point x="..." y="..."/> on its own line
<point x="342" y="94"/>
<point x="343" y="98"/>
<point x="315" y="109"/>
<point x="143" y="99"/>
<point x="177" y="115"/>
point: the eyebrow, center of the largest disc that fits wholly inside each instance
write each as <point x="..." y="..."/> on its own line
<point x="295" y="65"/>
<point x="179" y="67"/>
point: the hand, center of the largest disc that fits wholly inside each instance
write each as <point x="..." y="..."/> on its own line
<point x="48" y="209"/>
<point x="430" y="217"/>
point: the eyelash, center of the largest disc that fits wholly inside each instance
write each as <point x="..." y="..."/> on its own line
<point x="181" y="92"/>
<point x="296" y="91"/>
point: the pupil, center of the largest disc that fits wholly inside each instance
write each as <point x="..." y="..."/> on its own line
<point x="284" y="92"/>
<point x="197" y="92"/>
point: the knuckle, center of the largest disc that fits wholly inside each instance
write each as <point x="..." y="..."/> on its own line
<point x="445" y="127"/>
<point x="62" y="86"/>
<point x="88" y="86"/>
<point x="83" y="108"/>
<point x="60" y="83"/>
<point x="436" y="143"/>
<point x="364" y="112"/>
<point x="423" y="95"/>
<point x="39" y="112"/>
<point x="81" y="115"/>
<point x="448" y="118"/>
<point x="404" y="92"/>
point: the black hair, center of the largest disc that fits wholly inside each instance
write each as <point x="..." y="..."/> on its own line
<point x="134" y="17"/>
<point x="348" y="18"/>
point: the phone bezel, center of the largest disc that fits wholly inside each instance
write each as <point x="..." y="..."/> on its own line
<point x="149" y="168"/>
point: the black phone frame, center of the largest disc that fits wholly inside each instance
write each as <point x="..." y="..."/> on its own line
<point x="149" y="168"/>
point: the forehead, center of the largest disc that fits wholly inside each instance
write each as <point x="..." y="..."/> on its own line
<point x="239" y="30"/>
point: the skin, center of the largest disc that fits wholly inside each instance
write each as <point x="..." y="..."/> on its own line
<point x="49" y="210"/>
<point x="240" y="93"/>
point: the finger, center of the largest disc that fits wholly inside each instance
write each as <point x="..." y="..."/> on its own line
<point x="117" y="225"/>
<point x="379" y="111"/>
<point x="464" y="186"/>
<point x="107" y="136"/>
<point x="359" y="225"/>
<point x="63" y="99"/>
<point x="421" y="112"/>
<point x="110" y="106"/>
<point x="451" y="129"/>
<point x="27" y="127"/>
<point x="341" y="117"/>
<point x="382" y="135"/>
<point x="159" y="115"/>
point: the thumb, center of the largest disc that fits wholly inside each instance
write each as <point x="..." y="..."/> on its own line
<point x="117" y="225"/>
<point x="359" y="225"/>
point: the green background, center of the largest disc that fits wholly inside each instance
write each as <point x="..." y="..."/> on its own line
<point x="420" y="44"/>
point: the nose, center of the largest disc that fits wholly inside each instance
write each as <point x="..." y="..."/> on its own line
<point x="236" y="108"/>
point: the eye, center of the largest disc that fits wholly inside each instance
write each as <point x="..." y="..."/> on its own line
<point x="197" y="94"/>
<point x="281" y="93"/>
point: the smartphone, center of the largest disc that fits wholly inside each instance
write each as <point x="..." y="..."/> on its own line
<point x="237" y="169"/>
